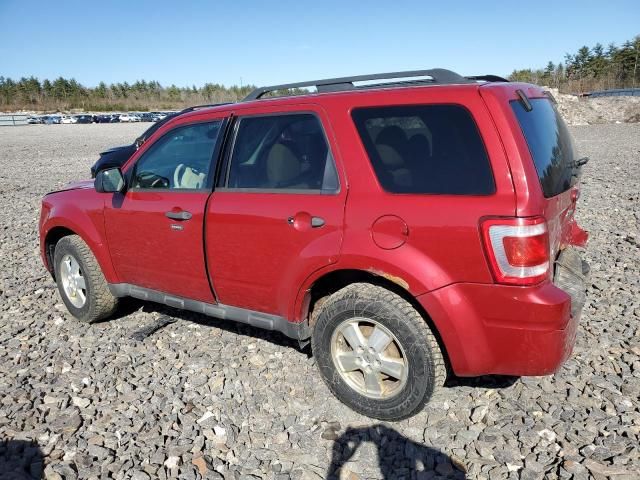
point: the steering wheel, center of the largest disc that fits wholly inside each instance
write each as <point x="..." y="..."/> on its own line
<point x="177" y="175"/>
<point x="151" y="180"/>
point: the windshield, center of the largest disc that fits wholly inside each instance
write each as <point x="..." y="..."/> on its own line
<point x="550" y="145"/>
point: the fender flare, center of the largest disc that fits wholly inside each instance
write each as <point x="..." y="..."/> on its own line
<point x="431" y="277"/>
<point x="76" y="220"/>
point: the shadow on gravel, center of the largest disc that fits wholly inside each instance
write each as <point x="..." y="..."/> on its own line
<point x="398" y="456"/>
<point x="170" y="315"/>
<point x="20" y="460"/>
<point x="486" y="381"/>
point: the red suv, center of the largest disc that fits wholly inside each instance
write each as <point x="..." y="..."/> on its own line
<point x="405" y="229"/>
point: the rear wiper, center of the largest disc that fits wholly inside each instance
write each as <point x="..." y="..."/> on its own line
<point x="580" y="162"/>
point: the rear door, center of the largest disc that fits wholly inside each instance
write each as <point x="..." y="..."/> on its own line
<point x="277" y="213"/>
<point x="155" y="229"/>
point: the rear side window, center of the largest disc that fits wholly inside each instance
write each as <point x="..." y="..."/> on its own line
<point x="550" y="144"/>
<point x="284" y="153"/>
<point x="425" y="149"/>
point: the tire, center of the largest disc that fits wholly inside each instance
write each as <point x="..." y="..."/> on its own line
<point x="379" y="315"/>
<point x="85" y="293"/>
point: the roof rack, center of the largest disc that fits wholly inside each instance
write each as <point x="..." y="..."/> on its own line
<point x="198" y="107"/>
<point x="437" y="76"/>
<point x="488" y="78"/>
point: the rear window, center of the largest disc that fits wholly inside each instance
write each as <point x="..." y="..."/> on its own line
<point x="425" y="149"/>
<point x="550" y="144"/>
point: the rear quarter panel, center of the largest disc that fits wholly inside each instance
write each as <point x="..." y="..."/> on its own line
<point x="443" y="244"/>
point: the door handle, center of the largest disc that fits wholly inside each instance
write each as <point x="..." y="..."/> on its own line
<point x="302" y="221"/>
<point x="181" y="215"/>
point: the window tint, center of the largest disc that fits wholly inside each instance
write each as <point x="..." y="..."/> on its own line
<point x="181" y="159"/>
<point x="288" y="152"/>
<point x="425" y="149"/>
<point x="550" y="145"/>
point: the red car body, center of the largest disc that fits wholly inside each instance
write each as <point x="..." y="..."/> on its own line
<point x="239" y="250"/>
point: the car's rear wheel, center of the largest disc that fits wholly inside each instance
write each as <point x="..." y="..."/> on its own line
<point x="80" y="281"/>
<point x="376" y="353"/>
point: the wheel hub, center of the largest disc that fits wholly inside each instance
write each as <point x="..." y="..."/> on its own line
<point x="369" y="358"/>
<point x="73" y="281"/>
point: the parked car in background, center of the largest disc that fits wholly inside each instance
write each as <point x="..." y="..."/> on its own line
<point x="117" y="156"/>
<point x="34" y="120"/>
<point x="406" y="229"/>
<point x="126" y="117"/>
<point x="146" y="117"/>
<point x="84" y="118"/>
<point x="68" y="119"/>
<point x="52" y="119"/>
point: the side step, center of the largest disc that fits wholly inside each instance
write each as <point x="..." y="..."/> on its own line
<point x="266" y="321"/>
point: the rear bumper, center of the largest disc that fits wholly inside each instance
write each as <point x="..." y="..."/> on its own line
<point x="508" y="330"/>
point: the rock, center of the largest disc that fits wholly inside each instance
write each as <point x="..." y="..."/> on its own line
<point x="479" y="413"/>
<point x="81" y="402"/>
<point x="548" y="435"/>
<point x="606" y="470"/>
<point x="200" y="463"/>
<point x="172" y="462"/>
<point x="329" y="434"/>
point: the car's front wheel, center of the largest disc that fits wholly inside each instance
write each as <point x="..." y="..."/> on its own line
<point x="376" y="353"/>
<point x="81" y="284"/>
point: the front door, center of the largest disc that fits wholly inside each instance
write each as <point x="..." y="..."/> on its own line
<point x="155" y="229"/>
<point x="277" y="214"/>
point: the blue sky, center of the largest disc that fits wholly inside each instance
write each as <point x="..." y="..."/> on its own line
<point x="193" y="42"/>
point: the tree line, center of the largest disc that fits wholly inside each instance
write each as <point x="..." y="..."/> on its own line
<point x="64" y="94"/>
<point x="595" y="68"/>
<point x="589" y="69"/>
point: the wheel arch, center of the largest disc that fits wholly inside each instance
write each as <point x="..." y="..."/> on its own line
<point x="330" y="282"/>
<point x="56" y="230"/>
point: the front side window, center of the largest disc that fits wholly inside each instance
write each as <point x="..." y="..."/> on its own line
<point x="425" y="149"/>
<point x="181" y="159"/>
<point x="282" y="152"/>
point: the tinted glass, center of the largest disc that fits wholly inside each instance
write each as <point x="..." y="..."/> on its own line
<point x="425" y="149"/>
<point x="550" y="145"/>
<point x="288" y="152"/>
<point x="181" y="159"/>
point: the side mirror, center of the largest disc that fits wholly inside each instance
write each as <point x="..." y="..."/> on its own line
<point x="109" y="181"/>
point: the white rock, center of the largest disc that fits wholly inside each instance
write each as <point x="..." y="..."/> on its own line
<point x="207" y="415"/>
<point x="81" y="402"/>
<point x="172" y="462"/>
<point x="548" y="435"/>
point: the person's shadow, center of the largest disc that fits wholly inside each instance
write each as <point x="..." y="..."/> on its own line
<point x="398" y="456"/>
<point x="20" y="460"/>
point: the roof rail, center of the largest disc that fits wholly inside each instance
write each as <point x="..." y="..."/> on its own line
<point x="197" y="107"/>
<point x="488" y="78"/>
<point x="438" y="76"/>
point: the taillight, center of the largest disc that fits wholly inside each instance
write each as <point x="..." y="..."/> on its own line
<point x="518" y="249"/>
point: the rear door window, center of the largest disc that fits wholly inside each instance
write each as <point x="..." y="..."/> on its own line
<point x="550" y="144"/>
<point x="425" y="149"/>
<point x="285" y="153"/>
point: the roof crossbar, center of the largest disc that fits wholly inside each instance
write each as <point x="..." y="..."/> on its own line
<point x="437" y="75"/>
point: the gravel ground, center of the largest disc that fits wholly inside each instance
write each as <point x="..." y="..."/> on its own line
<point x="200" y="398"/>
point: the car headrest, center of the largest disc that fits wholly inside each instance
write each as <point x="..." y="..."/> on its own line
<point x="283" y="165"/>
<point x="390" y="156"/>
